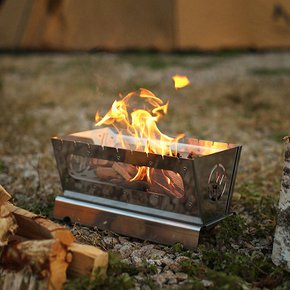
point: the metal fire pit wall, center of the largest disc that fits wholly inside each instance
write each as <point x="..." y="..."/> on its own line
<point x="96" y="177"/>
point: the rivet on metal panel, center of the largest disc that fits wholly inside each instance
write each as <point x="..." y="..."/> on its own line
<point x="89" y="150"/>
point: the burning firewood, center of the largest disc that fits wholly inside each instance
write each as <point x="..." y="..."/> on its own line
<point x="281" y="249"/>
<point x="161" y="183"/>
<point x="101" y="162"/>
<point x="127" y="171"/>
<point x="116" y="170"/>
<point x="137" y="185"/>
<point x="175" y="179"/>
<point x="107" y="173"/>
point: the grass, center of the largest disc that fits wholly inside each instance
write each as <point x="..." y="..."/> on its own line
<point x="47" y="95"/>
<point x="156" y="62"/>
<point x="2" y="167"/>
<point x="278" y="71"/>
<point x="118" y="276"/>
<point x="278" y="136"/>
<point x="42" y="209"/>
<point x="231" y="230"/>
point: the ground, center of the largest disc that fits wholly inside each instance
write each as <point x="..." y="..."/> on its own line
<point x="241" y="98"/>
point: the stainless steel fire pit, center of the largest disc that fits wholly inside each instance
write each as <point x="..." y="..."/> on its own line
<point x="188" y="192"/>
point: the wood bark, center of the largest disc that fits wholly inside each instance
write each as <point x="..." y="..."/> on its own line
<point x="35" y="252"/>
<point x="122" y="170"/>
<point x="116" y="171"/>
<point x="4" y="195"/>
<point x="281" y="246"/>
<point x="107" y="173"/>
<point x="33" y="265"/>
<point x="8" y="224"/>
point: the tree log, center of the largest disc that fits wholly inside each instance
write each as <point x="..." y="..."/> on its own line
<point x="4" y="195"/>
<point x="281" y="246"/>
<point x="106" y="173"/>
<point x="8" y="224"/>
<point x="123" y="170"/>
<point x="86" y="260"/>
<point x="33" y="226"/>
<point x="23" y="279"/>
<point x="101" y="162"/>
<point x="33" y="265"/>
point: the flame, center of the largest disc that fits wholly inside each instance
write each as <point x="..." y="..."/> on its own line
<point x="142" y="125"/>
<point x="180" y="81"/>
<point x="210" y="146"/>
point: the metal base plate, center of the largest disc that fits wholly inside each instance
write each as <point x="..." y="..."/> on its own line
<point x="127" y="223"/>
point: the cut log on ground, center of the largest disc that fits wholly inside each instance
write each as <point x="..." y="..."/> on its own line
<point x="4" y="195"/>
<point x="281" y="246"/>
<point x="33" y="265"/>
<point x="8" y="224"/>
<point x="33" y="226"/>
<point x="86" y="260"/>
<point x="36" y="252"/>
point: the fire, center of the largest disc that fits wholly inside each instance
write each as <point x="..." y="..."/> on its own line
<point x="210" y="146"/>
<point x="142" y="125"/>
<point x="180" y="81"/>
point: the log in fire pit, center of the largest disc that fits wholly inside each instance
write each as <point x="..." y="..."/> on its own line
<point x="128" y="177"/>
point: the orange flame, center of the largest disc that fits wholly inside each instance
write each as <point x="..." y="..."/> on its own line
<point x="210" y="146"/>
<point x="180" y="81"/>
<point x="141" y="124"/>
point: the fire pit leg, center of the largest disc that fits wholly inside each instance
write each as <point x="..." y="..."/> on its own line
<point x="281" y="246"/>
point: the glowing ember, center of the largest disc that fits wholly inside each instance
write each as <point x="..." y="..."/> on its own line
<point x="180" y="81"/>
<point x="141" y="124"/>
